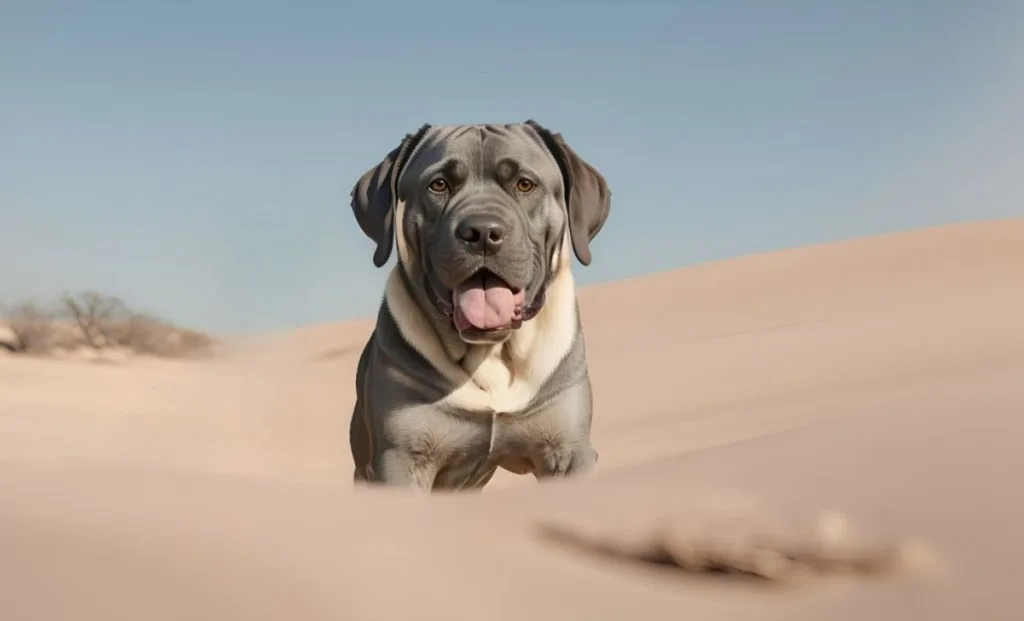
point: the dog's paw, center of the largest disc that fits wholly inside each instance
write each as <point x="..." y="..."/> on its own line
<point x="555" y="461"/>
<point x="559" y="460"/>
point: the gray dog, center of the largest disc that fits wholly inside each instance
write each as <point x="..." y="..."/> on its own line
<point x="477" y="360"/>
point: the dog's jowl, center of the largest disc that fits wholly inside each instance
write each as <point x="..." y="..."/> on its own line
<point x="477" y="360"/>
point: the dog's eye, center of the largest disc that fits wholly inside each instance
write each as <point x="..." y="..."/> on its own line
<point x="438" y="186"/>
<point x="525" y="186"/>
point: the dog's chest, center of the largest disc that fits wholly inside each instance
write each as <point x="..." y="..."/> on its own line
<point x="494" y="434"/>
<point x="495" y="384"/>
<point x="472" y="439"/>
<point x="467" y="445"/>
<point x="507" y="403"/>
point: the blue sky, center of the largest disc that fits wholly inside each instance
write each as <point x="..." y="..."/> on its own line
<point x="195" y="158"/>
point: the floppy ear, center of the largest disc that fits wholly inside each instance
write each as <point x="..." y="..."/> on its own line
<point x="376" y="193"/>
<point x="586" y="193"/>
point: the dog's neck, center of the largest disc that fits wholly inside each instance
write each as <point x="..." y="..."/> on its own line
<point x="503" y="377"/>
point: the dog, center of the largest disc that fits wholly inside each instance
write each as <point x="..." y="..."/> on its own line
<point x="477" y="360"/>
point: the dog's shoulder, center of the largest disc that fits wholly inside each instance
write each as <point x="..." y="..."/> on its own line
<point x="389" y="354"/>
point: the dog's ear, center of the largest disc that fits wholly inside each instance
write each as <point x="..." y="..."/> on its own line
<point x="586" y="193"/>
<point x="376" y="193"/>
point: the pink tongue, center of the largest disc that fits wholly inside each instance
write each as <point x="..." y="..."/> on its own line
<point x="483" y="302"/>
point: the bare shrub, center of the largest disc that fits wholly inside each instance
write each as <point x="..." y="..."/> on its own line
<point x="145" y="334"/>
<point x="34" y="328"/>
<point x="98" y="321"/>
<point x="97" y="316"/>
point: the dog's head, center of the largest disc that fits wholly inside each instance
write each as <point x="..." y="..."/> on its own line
<point x="480" y="213"/>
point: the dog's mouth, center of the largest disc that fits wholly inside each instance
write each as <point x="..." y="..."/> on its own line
<point x="484" y="305"/>
<point x="484" y="302"/>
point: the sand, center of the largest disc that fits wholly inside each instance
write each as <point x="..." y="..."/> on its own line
<point x="845" y="418"/>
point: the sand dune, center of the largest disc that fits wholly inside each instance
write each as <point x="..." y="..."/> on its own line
<point x="843" y="419"/>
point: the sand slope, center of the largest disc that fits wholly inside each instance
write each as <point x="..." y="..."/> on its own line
<point x="879" y="377"/>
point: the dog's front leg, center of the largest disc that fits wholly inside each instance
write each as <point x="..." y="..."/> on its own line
<point x="398" y="467"/>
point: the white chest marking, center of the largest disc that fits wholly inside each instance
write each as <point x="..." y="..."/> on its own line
<point x="499" y="378"/>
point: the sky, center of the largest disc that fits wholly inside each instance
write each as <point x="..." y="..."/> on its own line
<point x="196" y="158"/>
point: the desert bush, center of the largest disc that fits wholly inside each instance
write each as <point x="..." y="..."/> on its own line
<point x="98" y="321"/>
<point x="145" y="334"/>
<point x="96" y="316"/>
<point x="34" y="328"/>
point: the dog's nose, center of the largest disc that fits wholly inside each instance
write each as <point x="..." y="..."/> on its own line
<point x="482" y="232"/>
